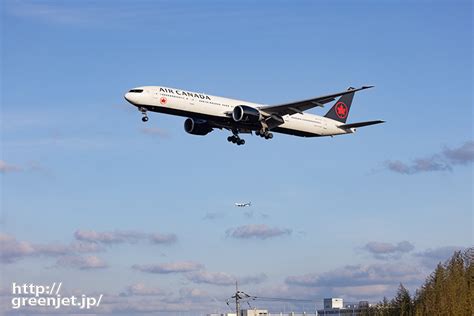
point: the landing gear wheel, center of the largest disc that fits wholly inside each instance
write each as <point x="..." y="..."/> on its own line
<point x="143" y="111"/>
<point x="267" y="135"/>
<point x="236" y="140"/>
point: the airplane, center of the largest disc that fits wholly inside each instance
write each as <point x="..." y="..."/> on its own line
<point x="243" y="204"/>
<point x="206" y="112"/>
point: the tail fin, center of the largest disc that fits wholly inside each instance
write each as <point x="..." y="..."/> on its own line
<point x="340" y="110"/>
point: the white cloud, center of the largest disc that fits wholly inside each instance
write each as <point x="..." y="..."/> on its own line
<point x="117" y="237"/>
<point x="81" y="262"/>
<point x="13" y="250"/>
<point x="222" y="278"/>
<point x="6" y="167"/>
<point x="360" y="275"/>
<point x="167" y="268"/>
<point x="384" y="250"/>
<point x="140" y="289"/>
<point x="109" y="237"/>
<point x="163" y="238"/>
<point x="442" y="161"/>
<point x="462" y="155"/>
<point x="432" y="256"/>
<point x="193" y="294"/>
<point x="257" y="231"/>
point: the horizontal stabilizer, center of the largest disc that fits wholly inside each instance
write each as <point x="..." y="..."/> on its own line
<point x="361" y="124"/>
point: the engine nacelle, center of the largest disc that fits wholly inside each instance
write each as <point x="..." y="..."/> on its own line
<point x="197" y="127"/>
<point x="246" y="114"/>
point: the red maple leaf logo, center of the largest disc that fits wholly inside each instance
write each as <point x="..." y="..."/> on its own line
<point x="341" y="110"/>
<point x="163" y="100"/>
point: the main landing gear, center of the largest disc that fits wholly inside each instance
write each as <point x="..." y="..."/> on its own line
<point x="145" y="117"/>
<point x="264" y="133"/>
<point x="236" y="140"/>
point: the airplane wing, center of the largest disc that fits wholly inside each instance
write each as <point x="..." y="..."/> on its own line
<point x="303" y="105"/>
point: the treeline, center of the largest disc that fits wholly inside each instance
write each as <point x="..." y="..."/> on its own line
<point x="449" y="290"/>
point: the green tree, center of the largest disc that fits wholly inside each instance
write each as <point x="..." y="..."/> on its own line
<point x="457" y="287"/>
<point x="383" y="308"/>
<point x="448" y="291"/>
<point x="401" y="305"/>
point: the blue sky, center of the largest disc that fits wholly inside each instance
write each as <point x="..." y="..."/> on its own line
<point x="77" y="160"/>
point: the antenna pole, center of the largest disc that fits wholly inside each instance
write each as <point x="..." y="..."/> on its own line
<point x="237" y="299"/>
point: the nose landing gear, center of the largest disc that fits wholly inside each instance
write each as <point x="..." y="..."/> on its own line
<point x="145" y="117"/>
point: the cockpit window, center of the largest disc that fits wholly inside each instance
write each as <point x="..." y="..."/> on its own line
<point x="136" y="90"/>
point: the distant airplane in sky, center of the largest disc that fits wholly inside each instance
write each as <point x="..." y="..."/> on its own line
<point x="243" y="204"/>
<point x="206" y="112"/>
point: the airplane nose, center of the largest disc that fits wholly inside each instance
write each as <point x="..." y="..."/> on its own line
<point x="131" y="97"/>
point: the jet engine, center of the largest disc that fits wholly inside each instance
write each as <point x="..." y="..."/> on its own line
<point x="197" y="127"/>
<point x="246" y="114"/>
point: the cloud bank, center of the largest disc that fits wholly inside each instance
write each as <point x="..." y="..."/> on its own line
<point x="196" y="273"/>
<point x="257" y="231"/>
<point x="82" y="263"/>
<point x="168" y="268"/>
<point x="6" y="167"/>
<point x="118" y="237"/>
<point x="223" y="279"/>
<point x="87" y="242"/>
<point x="13" y="250"/>
<point x="360" y="275"/>
<point x="432" y="256"/>
<point x="384" y="251"/>
<point x="445" y="160"/>
<point x="140" y="289"/>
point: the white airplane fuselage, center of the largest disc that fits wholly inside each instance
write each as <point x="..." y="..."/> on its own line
<point x="243" y="204"/>
<point x="219" y="109"/>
